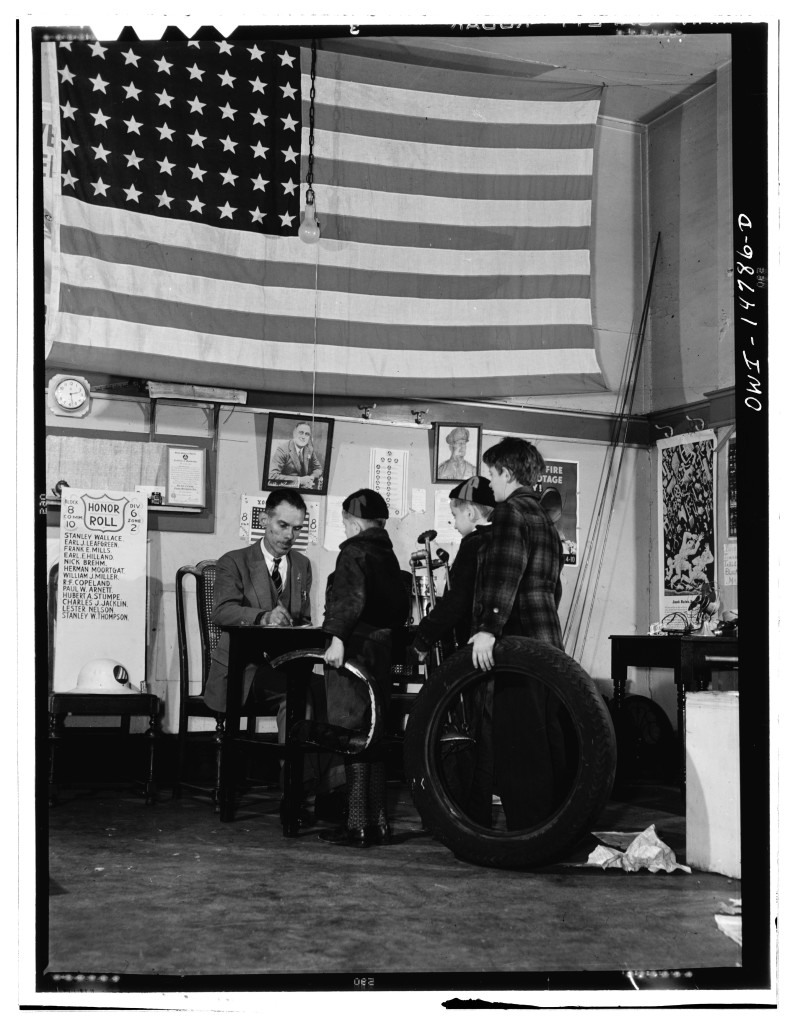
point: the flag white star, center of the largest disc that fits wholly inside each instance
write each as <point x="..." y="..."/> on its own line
<point x="257" y="85"/>
<point x="196" y="204"/>
<point x="197" y="172"/>
<point x="165" y="200"/>
<point x="259" y="150"/>
<point x="66" y="75"/>
<point x="195" y="72"/>
<point x="133" y="160"/>
<point x="69" y="179"/>
<point x="258" y="117"/>
<point x="255" y="53"/>
<point x="99" y="186"/>
<point x="133" y="126"/>
<point x="286" y="219"/>
<point x="70" y="146"/>
<point x="165" y="165"/>
<point x="98" y="50"/>
<point x="66" y="44"/>
<point x="225" y="47"/>
<point x="100" y="119"/>
<point x="98" y="84"/>
<point x="228" y="177"/>
<point x="68" y="110"/>
<point x="132" y="92"/>
<point x="163" y="65"/>
<point x="227" y="78"/>
<point x="228" y="111"/>
<point x="228" y="144"/>
<point x="100" y="152"/>
<point x="289" y="122"/>
<point x="194" y="43"/>
<point x="260" y="183"/>
<point x="290" y="186"/>
<point x="131" y="58"/>
<point x="164" y="99"/>
<point x="132" y="194"/>
<point x="257" y="216"/>
<point x="290" y="154"/>
<point x="227" y="211"/>
<point x="196" y="105"/>
<point x="288" y="91"/>
<point x="197" y="139"/>
<point x="165" y="131"/>
<point x="286" y="58"/>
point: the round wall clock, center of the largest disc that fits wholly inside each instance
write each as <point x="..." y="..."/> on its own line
<point x="69" y="395"/>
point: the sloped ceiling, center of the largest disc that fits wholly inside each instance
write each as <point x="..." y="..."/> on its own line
<point x="644" y="75"/>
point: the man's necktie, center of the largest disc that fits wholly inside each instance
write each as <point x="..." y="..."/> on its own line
<point x="276" y="577"/>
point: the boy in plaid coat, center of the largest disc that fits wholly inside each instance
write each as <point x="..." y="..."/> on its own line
<point x="517" y="594"/>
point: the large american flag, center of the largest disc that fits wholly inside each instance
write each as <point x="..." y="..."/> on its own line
<point x="455" y="212"/>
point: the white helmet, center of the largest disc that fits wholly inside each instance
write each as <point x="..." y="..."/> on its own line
<point x="103" y="675"/>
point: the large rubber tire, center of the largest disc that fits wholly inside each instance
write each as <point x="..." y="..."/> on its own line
<point x="593" y="755"/>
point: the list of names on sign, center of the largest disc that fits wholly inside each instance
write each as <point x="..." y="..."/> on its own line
<point x="102" y="582"/>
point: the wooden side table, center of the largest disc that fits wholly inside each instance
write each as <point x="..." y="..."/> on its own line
<point x="690" y="657"/>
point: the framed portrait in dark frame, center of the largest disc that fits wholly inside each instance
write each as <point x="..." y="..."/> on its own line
<point x="298" y="451"/>
<point x="457" y="451"/>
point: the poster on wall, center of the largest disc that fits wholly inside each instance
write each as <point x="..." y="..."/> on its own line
<point x="732" y="487"/>
<point x="558" y="494"/>
<point x="388" y="477"/>
<point x="253" y="515"/>
<point x="102" y="592"/>
<point x="687" y="485"/>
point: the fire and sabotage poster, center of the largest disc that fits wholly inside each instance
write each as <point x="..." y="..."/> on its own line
<point x="687" y="490"/>
<point x="558" y="494"/>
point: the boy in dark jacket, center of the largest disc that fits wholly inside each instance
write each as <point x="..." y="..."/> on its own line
<point x="366" y="600"/>
<point x="472" y="505"/>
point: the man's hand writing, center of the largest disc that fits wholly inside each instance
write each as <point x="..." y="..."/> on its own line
<point x="277" y="617"/>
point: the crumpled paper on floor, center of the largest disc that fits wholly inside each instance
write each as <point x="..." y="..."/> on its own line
<point x="633" y="851"/>
<point x="729" y="921"/>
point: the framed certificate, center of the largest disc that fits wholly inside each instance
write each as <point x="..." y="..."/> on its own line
<point x="185" y="480"/>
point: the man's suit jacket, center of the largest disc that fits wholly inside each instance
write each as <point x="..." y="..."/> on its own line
<point x="244" y="590"/>
<point x="518" y="583"/>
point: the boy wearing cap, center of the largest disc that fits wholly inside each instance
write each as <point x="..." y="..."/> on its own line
<point x="366" y="599"/>
<point x="472" y="503"/>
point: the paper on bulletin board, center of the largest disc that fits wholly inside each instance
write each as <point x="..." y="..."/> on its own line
<point x="389" y="478"/>
<point x="253" y="512"/>
<point x="418" y="499"/>
<point x="447" y="533"/>
<point x="334" y="534"/>
<point x="729" y="564"/>
<point x="102" y="593"/>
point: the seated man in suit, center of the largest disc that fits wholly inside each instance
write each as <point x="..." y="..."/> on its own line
<point x="264" y="584"/>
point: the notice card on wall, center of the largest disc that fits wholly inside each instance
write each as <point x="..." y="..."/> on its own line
<point x="185" y="481"/>
<point x="334" y="534"/>
<point x="102" y="593"/>
<point x="253" y="514"/>
<point x="389" y="478"/>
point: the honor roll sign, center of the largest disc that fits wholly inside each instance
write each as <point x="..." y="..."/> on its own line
<point x="102" y="594"/>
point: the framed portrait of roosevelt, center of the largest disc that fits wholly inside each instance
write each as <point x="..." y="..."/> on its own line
<point x="298" y="451"/>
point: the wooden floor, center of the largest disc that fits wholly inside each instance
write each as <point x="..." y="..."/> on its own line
<point x="167" y="896"/>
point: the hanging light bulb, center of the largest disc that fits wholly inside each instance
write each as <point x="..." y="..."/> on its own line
<point x="309" y="231"/>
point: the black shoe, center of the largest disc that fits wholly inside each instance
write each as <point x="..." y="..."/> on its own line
<point x="345" y="836"/>
<point x="379" y="835"/>
<point x="306" y="817"/>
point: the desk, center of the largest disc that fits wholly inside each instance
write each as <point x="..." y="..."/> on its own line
<point x="253" y="645"/>
<point x="691" y="658"/>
